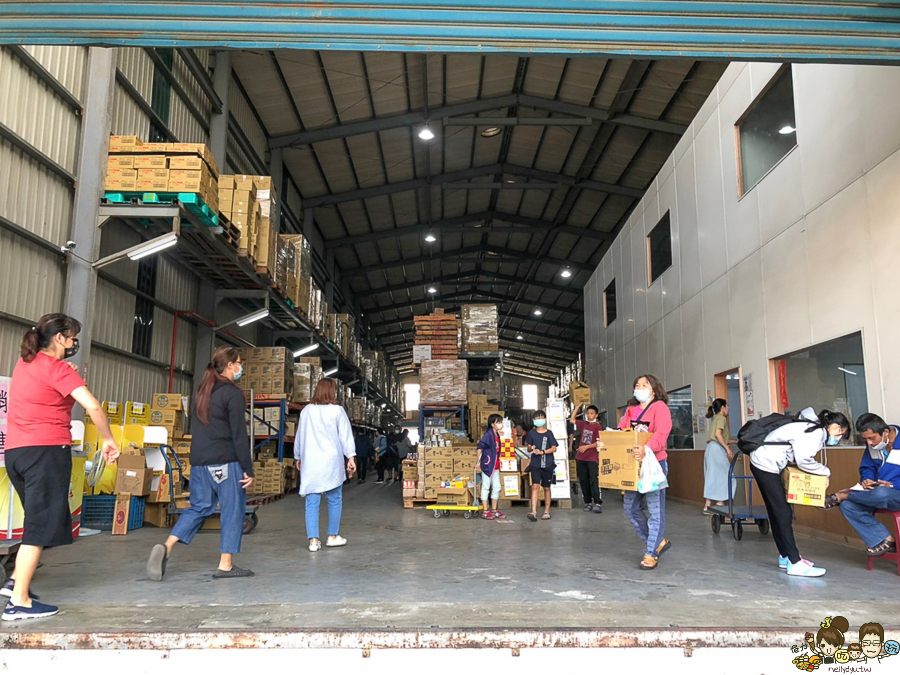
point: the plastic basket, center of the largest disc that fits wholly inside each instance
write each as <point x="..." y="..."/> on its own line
<point x="99" y="511"/>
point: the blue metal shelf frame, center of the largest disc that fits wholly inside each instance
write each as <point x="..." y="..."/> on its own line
<point x="455" y="409"/>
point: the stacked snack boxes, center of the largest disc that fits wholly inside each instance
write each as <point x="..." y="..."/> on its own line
<point x="271" y="476"/>
<point x="170" y="411"/>
<point x="444" y="381"/>
<point x="238" y="203"/>
<point x="443" y="461"/>
<point x="437" y="336"/>
<point x="479" y="328"/>
<point x="268" y="371"/>
<point x="135" y="166"/>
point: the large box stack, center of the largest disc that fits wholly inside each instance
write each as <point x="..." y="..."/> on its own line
<point x="479" y="328"/>
<point x="268" y="371"/>
<point x="443" y="460"/>
<point x="170" y="411"/>
<point x="135" y="166"/>
<point x="238" y="203"/>
<point x="307" y="372"/>
<point x="356" y="409"/>
<point x="294" y="270"/>
<point x="271" y="476"/>
<point x="443" y="381"/>
<point x="440" y="332"/>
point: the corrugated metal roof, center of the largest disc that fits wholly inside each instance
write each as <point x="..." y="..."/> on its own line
<point x="343" y="94"/>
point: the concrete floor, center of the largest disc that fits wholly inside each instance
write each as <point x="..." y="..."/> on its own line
<point x="403" y="569"/>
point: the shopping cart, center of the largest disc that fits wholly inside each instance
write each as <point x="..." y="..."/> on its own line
<point x="736" y="515"/>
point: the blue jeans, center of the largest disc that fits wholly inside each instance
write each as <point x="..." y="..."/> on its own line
<point x="652" y="529"/>
<point x="335" y="498"/>
<point x="206" y="493"/>
<point x="860" y="506"/>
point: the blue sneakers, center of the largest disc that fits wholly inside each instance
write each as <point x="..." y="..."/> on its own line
<point x="38" y="610"/>
<point x="8" y="587"/>
<point x="784" y="562"/>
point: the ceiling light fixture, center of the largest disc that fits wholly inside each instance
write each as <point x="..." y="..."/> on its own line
<point x="538" y="312"/>
<point x="787" y="129"/>
<point x="253" y="316"/>
<point x="153" y="246"/>
<point x="305" y="350"/>
<point x="519" y="337"/>
<point x="490" y="131"/>
<point x="432" y="289"/>
<point x="426" y="134"/>
<point x="506" y="354"/>
<point x="566" y="273"/>
<point x="329" y="373"/>
<point x="430" y="238"/>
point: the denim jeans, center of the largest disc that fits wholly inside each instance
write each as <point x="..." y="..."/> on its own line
<point x="206" y="493"/>
<point x="335" y="498"/>
<point x="652" y="529"/>
<point x="860" y="506"/>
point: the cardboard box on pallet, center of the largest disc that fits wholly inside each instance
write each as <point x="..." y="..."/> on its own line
<point x="443" y="381"/>
<point x="151" y="162"/>
<point x="130" y="144"/>
<point x="156" y="514"/>
<point x="479" y="328"/>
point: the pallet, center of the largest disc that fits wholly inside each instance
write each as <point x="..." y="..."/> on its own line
<point x="230" y="232"/>
<point x="191" y="201"/>
<point x="418" y="503"/>
<point x="561" y="504"/>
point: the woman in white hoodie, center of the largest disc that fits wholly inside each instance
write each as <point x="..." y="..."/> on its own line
<point x="795" y="443"/>
<point x="324" y="440"/>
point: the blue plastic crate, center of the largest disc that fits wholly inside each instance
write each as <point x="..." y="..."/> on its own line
<point x="99" y="511"/>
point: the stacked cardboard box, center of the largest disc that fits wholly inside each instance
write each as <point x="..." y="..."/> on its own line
<point x="293" y="271"/>
<point x="238" y="203"/>
<point x="318" y="308"/>
<point x="132" y="474"/>
<point x="442" y="459"/>
<point x="170" y="411"/>
<point x="437" y="336"/>
<point x="268" y="371"/>
<point x="443" y="381"/>
<point x="479" y="328"/>
<point x="135" y="166"/>
<point x="270" y="477"/>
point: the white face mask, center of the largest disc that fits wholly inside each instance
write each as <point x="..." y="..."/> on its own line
<point x="642" y="395"/>
<point x="880" y="446"/>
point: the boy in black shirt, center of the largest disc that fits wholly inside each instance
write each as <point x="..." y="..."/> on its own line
<point x="542" y="444"/>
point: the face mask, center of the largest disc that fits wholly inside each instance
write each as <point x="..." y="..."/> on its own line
<point x="240" y="372"/>
<point x="880" y="446"/>
<point x="540" y="423"/>
<point x="642" y="395"/>
<point x="73" y="350"/>
<point x="833" y="440"/>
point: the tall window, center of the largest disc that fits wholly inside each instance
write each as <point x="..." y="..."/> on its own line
<point x="659" y="248"/>
<point x="529" y="397"/>
<point x="411" y="394"/>
<point x="142" y="333"/>
<point x="609" y="303"/>
<point x="682" y="435"/>
<point x="767" y="131"/>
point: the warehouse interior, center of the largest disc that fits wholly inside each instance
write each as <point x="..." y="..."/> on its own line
<point x="417" y="191"/>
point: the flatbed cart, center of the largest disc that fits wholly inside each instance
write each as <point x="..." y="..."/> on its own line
<point x="444" y="509"/>
<point x="735" y="516"/>
<point x="251" y="519"/>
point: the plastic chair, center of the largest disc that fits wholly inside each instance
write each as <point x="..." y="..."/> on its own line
<point x="889" y="556"/>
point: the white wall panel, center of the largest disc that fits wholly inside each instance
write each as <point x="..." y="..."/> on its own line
<point x="66" y="64"/>
<point x="137" y="67"/>
<point x="127" y="118"/>
<point x="113" y="377"/>
<point x="113" y="321"/>
<point x="243" y="114"/>
<point x="33" y="278"/>
<point x="11" y="334"/>
<point x="800" y="262"/>
<point x="162" y="340"/>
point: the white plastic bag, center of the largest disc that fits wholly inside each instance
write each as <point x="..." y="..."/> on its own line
<point x="652" y="476"/>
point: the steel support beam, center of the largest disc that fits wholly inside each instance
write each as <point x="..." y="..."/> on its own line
<point x="81" y="280"/>
<point x="26" y="147"/>
<point x="329" y="279"/>
<point x="205" y="340"/>
<point x="218" y="125"/>
<point x="425" y="227"/>
<point x="368" y="269"/>
<point x="201" y="75"/>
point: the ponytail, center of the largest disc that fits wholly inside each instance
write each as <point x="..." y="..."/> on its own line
<point x="827" y="418"/>
<point x="715" y="408"/>
<point x="42" y="335"/>
<point x="213" y="374"/>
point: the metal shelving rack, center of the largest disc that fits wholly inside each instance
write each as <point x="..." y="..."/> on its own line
<point x="485" y="363"/>
<point x="457" y="410"/>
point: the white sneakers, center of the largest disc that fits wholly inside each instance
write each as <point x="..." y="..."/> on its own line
<point x="336" y="541"/>
<point x="804" y="568"/>
<point x="315" y="546"/>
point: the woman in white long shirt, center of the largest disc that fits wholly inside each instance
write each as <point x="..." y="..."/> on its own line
<point x="325" y="453"/>
<point x="797" y="443"/>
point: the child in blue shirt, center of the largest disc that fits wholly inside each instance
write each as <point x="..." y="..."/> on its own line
<point x="542" y="444"/>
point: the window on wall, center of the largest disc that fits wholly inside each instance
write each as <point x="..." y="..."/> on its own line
<point x="830" y="375"/>
<point x="609" y="303"/>
<point x="680" y="406"/>
<point x="142" y="333"/>
<point x="659" y="248"/>
<point x="767" y="131"/>
<point x="411" y="395"/>
<point x="529" y="397"/>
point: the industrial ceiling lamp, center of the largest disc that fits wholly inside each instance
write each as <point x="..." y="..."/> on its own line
<point x="520" y="337"/>
<point x="253" y="316"/>
<point x="426" y="134"/>
<point x="329" y="373"/>
<point x="538" y="312"/>
<point x="430" y="238"/>
<point x="305" y="350"/>
<point x="566" y="273"/>
<point x="432" y="290"/>
<point x="490" y="132"/>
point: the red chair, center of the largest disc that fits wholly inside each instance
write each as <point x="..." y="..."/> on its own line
<point x="889" y="556"/>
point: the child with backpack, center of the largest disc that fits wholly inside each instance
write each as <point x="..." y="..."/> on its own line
<point x="774" y="441"/>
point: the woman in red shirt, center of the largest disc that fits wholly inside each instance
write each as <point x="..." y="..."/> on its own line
<point x="38" y="457"/>
<point x="648" y="411"/>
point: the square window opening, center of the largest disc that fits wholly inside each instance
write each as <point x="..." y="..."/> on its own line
<point x="529" y="397"/>
<point x="659" y="248"/>
<point x="767" y="132"/>
<point x="411" y="394"/>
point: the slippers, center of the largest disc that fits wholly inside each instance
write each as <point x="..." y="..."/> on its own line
<point x="546" y="516"/>
<point x="156" y="565"/>
<point x="532" y="517"/>
<point x="234" y="573"/>
<point x="831" y="501"/>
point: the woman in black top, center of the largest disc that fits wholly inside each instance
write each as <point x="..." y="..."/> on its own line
<point x="222" y="467"/>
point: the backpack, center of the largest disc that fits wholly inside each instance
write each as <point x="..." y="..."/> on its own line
<point x="753" y="433"/>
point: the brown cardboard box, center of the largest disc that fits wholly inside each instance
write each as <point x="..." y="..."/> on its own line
<point x="173" y="420"/>
<point x="430" y="493"/>
<point x="151" y="162"/>
<point x="121" y="184"/>
<point x="122" y="511"/>
<point x="121" y="174"/>
<point x="125" y="144"/>
<point x="455" y="496"/>
<point x="120" y="162"/>
<point x="226" y="183"/>
<point x="133" y="480"/>
<point x="804" y="488"/>
<point x="159" y="487"/>
<point x="619" y="470"/>
<point x="438" y="464"/>
<point x="156" y="515"/>
<point x="153" y="174"/>
<point x="189" y="162"/>
<point x="151" y="185"/>
<point x="579" y="393"/>
<point x="243" y="182"/>
<point x="463" y="465"/>
<point x="168" y="402"/>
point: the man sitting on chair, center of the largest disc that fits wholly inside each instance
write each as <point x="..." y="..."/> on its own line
<point x="879" y="474"/>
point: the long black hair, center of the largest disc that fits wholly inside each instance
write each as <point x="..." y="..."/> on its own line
<point x="213" y="373"/>
<point x="42" y="335"/>
<point x="716" y="408"/>
<point x="827" y="418"/>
